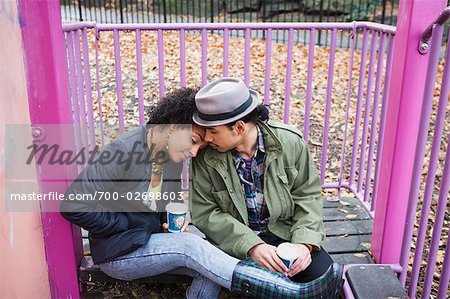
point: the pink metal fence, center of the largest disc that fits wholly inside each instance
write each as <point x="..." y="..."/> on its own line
<point x="122" y="68"/>
<point x="433" y="133"/>
<point x="345" y="148"/>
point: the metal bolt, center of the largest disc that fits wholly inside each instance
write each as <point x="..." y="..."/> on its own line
<point x="37" y="133"/>
<point x="423" y="48"/>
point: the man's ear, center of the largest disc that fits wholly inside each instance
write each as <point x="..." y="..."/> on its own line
<point x="241" y="127"/>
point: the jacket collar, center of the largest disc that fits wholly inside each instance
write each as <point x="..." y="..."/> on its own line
<point x="272" y="147"/>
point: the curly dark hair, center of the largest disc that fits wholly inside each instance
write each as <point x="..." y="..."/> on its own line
<point x="175" y="108"/>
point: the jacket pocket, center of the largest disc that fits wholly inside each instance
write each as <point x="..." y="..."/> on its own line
<point x="286" y="201"/>
<point x="223" y="199"/>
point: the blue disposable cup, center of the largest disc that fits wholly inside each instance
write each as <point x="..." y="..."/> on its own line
<point x="288" y="253"/>
<point x="176" y="216"/>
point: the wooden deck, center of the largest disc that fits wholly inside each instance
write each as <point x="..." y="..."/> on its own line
<point x="348" y="230"/>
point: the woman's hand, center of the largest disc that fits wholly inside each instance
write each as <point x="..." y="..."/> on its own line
<point x="165" y="227"/>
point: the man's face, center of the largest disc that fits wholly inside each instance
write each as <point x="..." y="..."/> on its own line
<point x="222" y="138"/>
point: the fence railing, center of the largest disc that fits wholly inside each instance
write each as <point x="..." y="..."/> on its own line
<point x="110" y="94"/>
<point x="336" y="97"/>
<point x="221" y="11"/>
<point x="429" y="207"/>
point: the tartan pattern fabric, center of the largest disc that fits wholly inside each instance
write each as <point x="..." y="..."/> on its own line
<point x="251" y="174"/>
<point x="253" y="280"/>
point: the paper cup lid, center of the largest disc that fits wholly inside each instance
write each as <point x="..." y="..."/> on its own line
<point x="288" y="251"/>
<point x="176" y="208"/>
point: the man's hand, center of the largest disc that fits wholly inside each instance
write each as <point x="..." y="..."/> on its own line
<point x="265" y="255"/>
<point x="303" y="261"/>
<point x="165" y="227"/>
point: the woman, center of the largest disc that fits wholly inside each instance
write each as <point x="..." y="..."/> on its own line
<point x="126" y="225"/>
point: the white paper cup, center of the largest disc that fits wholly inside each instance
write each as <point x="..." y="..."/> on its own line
<point x="176" y="216"/>
<point x="288" y="253"/>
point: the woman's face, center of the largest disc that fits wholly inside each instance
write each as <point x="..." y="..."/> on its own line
<point x="184" y="143"/>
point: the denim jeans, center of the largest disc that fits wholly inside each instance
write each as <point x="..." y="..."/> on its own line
<point x="177" y="253"/>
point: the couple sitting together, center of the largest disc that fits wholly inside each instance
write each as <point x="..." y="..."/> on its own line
<point x="253" y="186"/>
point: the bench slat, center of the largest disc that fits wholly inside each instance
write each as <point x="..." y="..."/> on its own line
<point x="357" y="227"/>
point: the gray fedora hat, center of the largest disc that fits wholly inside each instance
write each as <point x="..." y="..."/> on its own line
<point x="223" y="101"/>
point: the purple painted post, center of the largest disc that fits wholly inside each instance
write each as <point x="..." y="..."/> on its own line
<point x="362" y="72"/>
<point x="326" y="125"/>
<point x="387" y="81"/>
<point x="347" y="111"/>
<point x="162" y="87"/>
<point x="438" y="224"/>
<point x="117" y="64"/>
<point x="87" y="80"/>
<point x="247" y="36"/>
<point x="373" y="124"/>
<point x="401" y="133"/>
<point x="433" y="164"/>
<point x="362" y="157"/>
<point x="49" y="103"/>
<point x="99" y="93"/>
<point x="81" y="93"/>
<point x="140" y="84"/>
<point x="445" y="275"/>
<point x="312" y="42"/>
<point x="226" y="38"/>
<point x="183" y="57"/>
<point x="287" y="91"/>
<point x="73" y="92"/>
<point x="204" y="57"/>
<point x="267" y="68"/>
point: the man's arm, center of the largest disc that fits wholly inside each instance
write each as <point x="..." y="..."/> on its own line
<point x="231" y="235"/>
<point x="308" y="213"/>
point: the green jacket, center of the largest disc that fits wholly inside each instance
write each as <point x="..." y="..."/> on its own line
<point x="291" y="189"/>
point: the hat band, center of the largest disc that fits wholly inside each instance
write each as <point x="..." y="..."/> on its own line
<point x="227" y="115"/>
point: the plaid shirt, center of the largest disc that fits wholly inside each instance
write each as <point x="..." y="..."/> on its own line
<point x="251" y="174"/>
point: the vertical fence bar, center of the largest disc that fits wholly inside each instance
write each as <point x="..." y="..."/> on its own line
<point x="445" y="275"/>
<point x="118" y="80"/>
<point x="139" y="76"/>
<point x="347" y="112"/>
<point x="73" y="91"/>
<point x="367" y="109"/>
<point x="226" y="38"/>
<point x="183" y="57"/>
<point x="247" y="36"/>
<point x="438" y="222"/>
<point x="433" y="164"/>
<point x="287" y="90"/>
<point x="99" y="94"/>
<point x="162" y="88"/>
<point x="419" y="158"/>
<point x="81" y="90"/>
<point x="87" y="80"/>
<point x="204" y="57"/>
<point x="268" y="64"/>
<point x="362" y="72"/>
<point x="79" y="11"/>
<point x="326" y="125"/>
<point x="373" y="126"/>
<point x="309" y="81"/>
<point x="387" y="81"/>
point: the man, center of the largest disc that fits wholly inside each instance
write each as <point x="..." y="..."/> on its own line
<point x="256" y="186"/>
